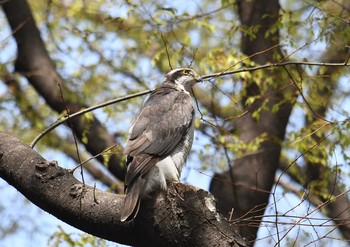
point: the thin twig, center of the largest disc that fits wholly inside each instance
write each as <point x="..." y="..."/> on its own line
<point x="272" y="65"/>
<point x="94" y="192"/>
<point x="73" y="133"/>
<point x="166" y="49"/>
<point x="89" y="109"/>
<point x="193" y="57"/>
<point x="93" y="157"/>
<point x="305" y="100"/>
<point x="205" y="77"/>
<point x="15" y="30"/>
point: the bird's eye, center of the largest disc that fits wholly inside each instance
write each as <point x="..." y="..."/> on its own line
<point x="186" y="72"/>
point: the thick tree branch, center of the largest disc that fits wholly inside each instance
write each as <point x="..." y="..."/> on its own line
<point x="56" y="191"/>
<point x="35" y="64"/>
<point x="55" y="141"/>
<point x="181" y="216"/>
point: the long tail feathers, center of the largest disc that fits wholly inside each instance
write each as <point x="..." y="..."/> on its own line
<point x="132" y="201"/>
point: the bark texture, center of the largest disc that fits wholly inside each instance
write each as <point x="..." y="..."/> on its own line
<point x="181" y="216"/>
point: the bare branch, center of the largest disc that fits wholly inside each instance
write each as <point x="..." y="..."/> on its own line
<point x="89" y="109"/>
<point x="273" y="65"/>
<point x="166" y="49"/>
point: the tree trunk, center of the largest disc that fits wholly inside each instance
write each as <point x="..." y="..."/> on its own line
<point x="246" y="190"/>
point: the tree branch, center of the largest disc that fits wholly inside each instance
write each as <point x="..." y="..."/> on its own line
<point x="274" y="65"/>
<point x="55" y="141"/>
<point x="86" y="110"/>
<point x="181" y="216"/>
<point x="34" y="63"/>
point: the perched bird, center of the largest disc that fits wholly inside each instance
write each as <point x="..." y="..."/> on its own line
<point x="160" y="139"/>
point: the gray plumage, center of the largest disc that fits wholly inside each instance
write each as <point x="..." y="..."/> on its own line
<point x="160" y="139"/>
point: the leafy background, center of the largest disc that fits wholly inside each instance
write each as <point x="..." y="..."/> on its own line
<point x="107" y="49"/>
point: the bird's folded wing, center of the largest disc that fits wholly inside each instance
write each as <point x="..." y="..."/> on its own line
<point x="158" y="128"/>
<point x="161" y="124"/>
<point x="139" y="166"/>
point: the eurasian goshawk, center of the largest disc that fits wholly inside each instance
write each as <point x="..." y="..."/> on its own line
<point x="160" y="139"/>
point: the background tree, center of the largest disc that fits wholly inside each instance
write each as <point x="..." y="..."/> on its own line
<point x="276" y="138"/>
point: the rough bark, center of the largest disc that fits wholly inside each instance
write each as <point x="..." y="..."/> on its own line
<point x="247" y="189"/>
<point x="181" y="216"/>
<point x="34" y="63"/>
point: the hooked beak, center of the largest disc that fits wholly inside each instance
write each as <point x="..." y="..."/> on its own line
<point x="198" y="78"/>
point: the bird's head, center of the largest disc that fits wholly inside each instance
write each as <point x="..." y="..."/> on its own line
<point x="183" y="77"/>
